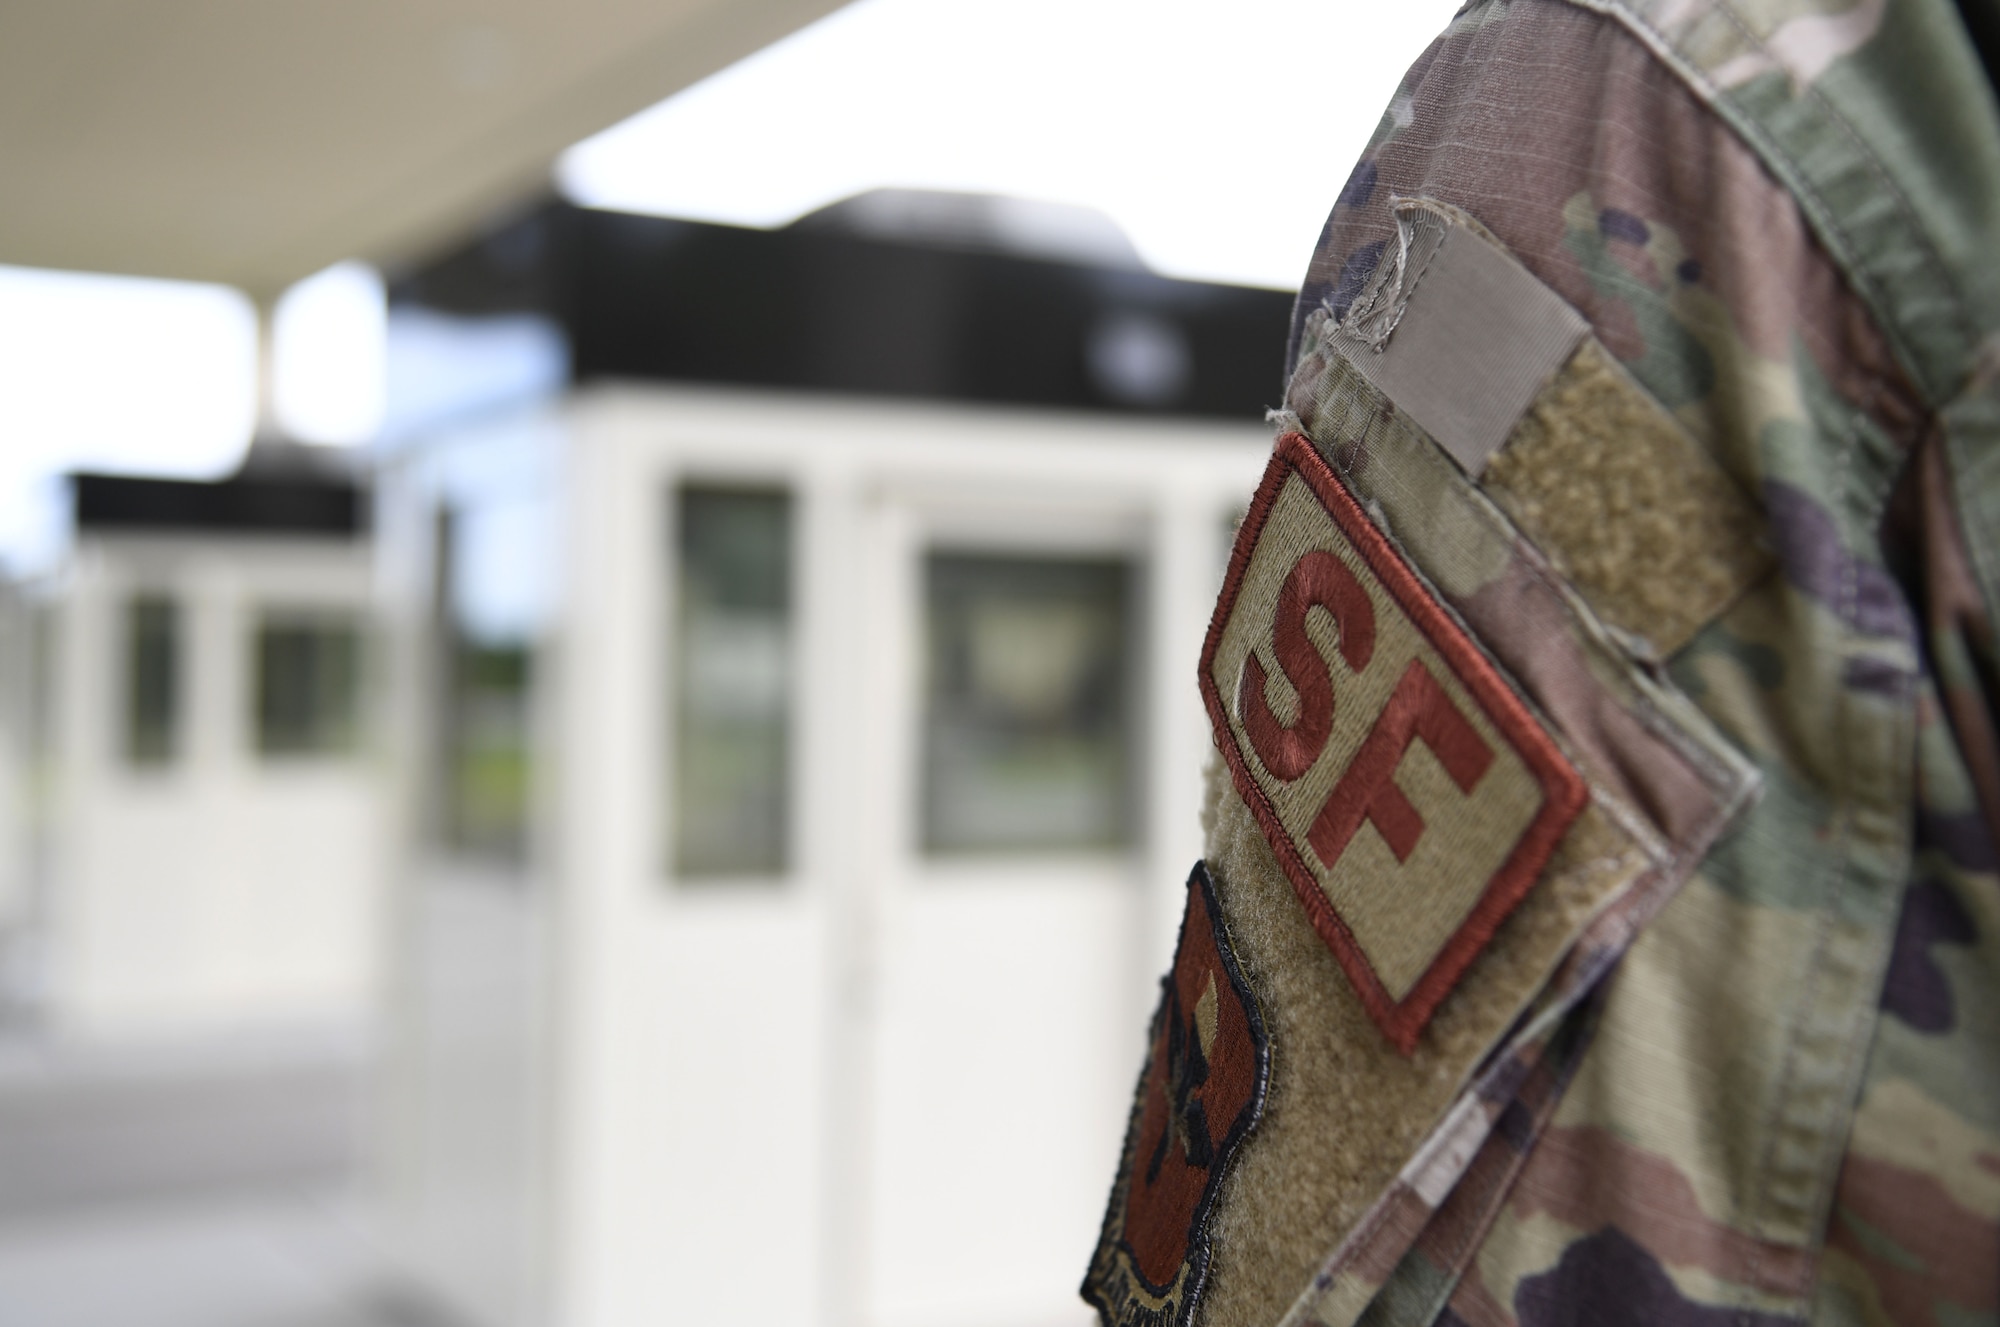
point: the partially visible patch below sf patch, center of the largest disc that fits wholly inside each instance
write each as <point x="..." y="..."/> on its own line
<point x="1199" y="1096"/>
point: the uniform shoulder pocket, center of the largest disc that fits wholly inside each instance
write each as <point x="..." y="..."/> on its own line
<point x="1453" y="785"/>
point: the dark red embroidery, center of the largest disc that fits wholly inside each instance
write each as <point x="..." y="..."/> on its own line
<point x="1418" y="709"/>
<point x="1368" y="791"/>
<point x="1199" y="1096"/>
<point x="1319" y="580"/>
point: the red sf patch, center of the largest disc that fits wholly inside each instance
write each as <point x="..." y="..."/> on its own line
<point x="1411" y="797"/>
<point x="1199" y="1096"/>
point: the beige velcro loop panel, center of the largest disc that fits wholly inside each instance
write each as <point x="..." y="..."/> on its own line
<point x="1645" y="524"/>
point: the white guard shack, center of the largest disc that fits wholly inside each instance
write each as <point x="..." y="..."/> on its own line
<point x="799" y="786"/>
<point x="198" y="847"/>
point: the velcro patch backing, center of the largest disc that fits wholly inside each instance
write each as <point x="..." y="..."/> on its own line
<point x="1650" y="530"/>
<point x="1409" y="794"/>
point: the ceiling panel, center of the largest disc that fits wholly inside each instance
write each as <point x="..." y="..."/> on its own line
<point x="255" y="141"/>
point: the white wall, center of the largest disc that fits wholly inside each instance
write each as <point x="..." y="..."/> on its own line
<point x="222" y="889"/>
<point x="462" y="1141"/>
<point x="16" y="700"/>
<point x="460" y="1144"/>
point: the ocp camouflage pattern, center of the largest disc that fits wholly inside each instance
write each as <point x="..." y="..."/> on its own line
<point x="1768" y="1091"/>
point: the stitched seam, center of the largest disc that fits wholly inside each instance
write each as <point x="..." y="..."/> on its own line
<point x="1984" y="555"/>
<point x="1606" y="938"/>
<point x="1811" y="200"/>
<point x="1967" y="326"/>
<point x="1856" y="1047"/>
<point x="1836" y="879"/>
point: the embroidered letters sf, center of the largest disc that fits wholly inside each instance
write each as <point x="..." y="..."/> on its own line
<point x="1408" y="793"/>
<point x="1418" y="708"/>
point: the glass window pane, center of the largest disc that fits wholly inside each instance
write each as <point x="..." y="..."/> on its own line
<point x="152" y="680"/>
<point x="489" y="758"/>
<point x="733" y="683"/>
<point x="492" y="557"/>
<point x="308" y="685"/>
<point x="1028" y="704"/>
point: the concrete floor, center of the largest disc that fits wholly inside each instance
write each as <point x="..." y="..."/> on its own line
<point x="189" y="1184"/>
<point x="255" y="1260"/>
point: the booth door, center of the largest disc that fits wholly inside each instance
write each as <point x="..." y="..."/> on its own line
<point x="999" y="1026"/>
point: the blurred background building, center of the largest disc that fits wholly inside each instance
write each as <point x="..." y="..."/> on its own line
<point x="659" y="787"/>
<point x="801" y="743"/>
<point x="216" y="845"/>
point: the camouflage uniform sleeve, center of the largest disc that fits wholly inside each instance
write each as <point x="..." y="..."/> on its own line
<point x="1735" y="1056"/>
<point x="1787" y="1111"/>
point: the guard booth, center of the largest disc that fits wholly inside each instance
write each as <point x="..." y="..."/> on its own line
<point x="793" y="643"/>
<point x="193" y="847"/>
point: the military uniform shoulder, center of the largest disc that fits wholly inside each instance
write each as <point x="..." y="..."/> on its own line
<point x="1582" y="754"/>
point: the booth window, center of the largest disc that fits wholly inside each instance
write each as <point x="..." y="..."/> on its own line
<point x="491" y="588"/>
<point x="1028" y="704"/>
<point x="732" y="669"/>
<point x="152" y="680"/>
<point x="308" y="684"/>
